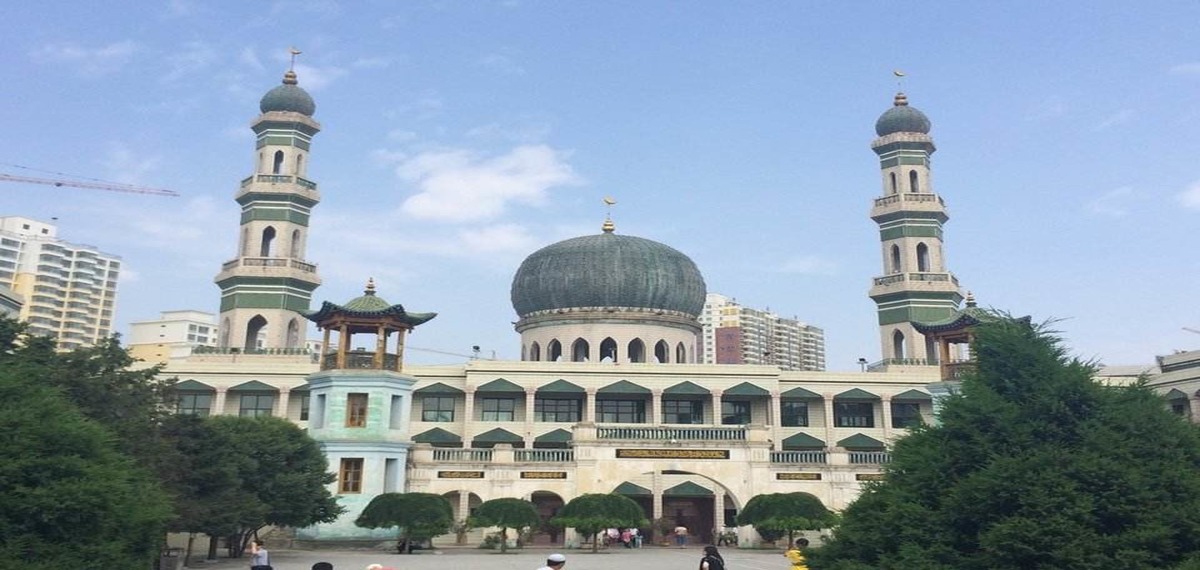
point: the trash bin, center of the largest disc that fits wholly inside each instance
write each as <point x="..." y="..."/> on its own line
<point x="168" y="559"/>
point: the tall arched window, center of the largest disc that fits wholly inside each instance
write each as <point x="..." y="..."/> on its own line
<point x="253" y="329"/>
<point x="922" y="257"/>
<point x="608" y="350"/>
<point x="295" y="249"/>
<point x="293" y="334"/>
<point x="554" y="351"/>
<point x="636" y="351"/>
<point x="680" y="353"/>
<point x="913" y="185"/>
<point x="662" y="352"/>
<point x="896" y="259"/>
<point x="898" y="345"/>
<point x="580" y="350"/>
<point x="535" y="352"/>
<point x="299" y="165"/>
<point x="278" y="165"/>
<point x="268" y="240"/>
<point x="893" y="176"/>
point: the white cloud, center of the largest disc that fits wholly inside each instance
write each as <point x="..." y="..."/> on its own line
<point x="314" y="78"/>
<point x="250" y="58"/>
<point x="1119" y="118"/>
<point x="502" y="238"/>
<point x="125" y="166"/>
<point x="501" y="64"/>
<point x="89" y="60"/>
<point x="460" y="186"/>
<point x="1112" y="204"/>
<point x="193" y="57"/>
<point x="1190" y="198"/>
<point x="1190" y="68"/>
<point x="808" y="265"/>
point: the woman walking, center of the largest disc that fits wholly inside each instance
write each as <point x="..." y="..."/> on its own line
<point x="712" y="559"/>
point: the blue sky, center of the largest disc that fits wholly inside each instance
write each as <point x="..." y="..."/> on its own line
<point x="461" y="136"/>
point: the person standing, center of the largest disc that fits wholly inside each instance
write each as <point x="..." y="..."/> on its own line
<point x="681" y="536"/>
<point x="554" y="562"/>
<point x="260" y="558"/>
<point x="795" y="554"/>
<point x="712" y="559"/>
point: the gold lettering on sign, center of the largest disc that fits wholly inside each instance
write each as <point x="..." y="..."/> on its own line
<point x="869" y="477"/>
<point x="672" y="454"/>
<point x="798" y="476"/>
<point x="543" y="474"/>
<point x="460" y="474"/>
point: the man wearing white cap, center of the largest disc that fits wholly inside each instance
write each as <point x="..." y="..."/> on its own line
<point x="554" y="562"/>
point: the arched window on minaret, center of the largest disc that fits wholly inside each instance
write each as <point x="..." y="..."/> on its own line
<point x="608" y="350"/>
<point x="898" y="345"/>
<point x="268" y="240"/>
<point x="912" y="181"/>
<point x="680" y="354"/>
<point x="278" y="165"/>
<point x="922" y="257"/>
<point x="894" y="188"/>
<point x="295" y="249"/>
<point x="896" y="259"/>
<point x="554" y="351"/>
<point x="535" y="352"/>
<point x="662" y="352"/>
<point x="580" y="350"/>
<point x="259" y="167"/>
<point x="293" y="334"/>
<point x="253" y="329"/>
<point x="299" y="165"/>
<point x="636" y="351"/>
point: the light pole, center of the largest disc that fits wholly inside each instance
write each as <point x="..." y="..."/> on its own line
<point x="862" y="365"/>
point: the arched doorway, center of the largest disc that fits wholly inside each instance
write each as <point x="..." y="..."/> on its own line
<point x="547" y="505"/>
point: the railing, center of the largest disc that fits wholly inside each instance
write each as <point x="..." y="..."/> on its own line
<point x="869" y="457"/>
<point x="279" y="179"/>
<point x="922" y="277"/>
<point x="798" y="457"/>
<point x="671" y="433"/>
<point x="544" y="455"/>
<point x="463" y="455"/>
<point x="359" y="360"/>
<point x="269" y="262"/>
<point x="235" y="350"/>
<point x="908" y="197"/>
<point x="883" y="364"/>
<point x="956" y="370"/>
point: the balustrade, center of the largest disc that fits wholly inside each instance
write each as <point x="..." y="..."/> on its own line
<point x="869" y="457"/>
<point x="663" y="433"/>
<point x="815" y="457"/>
<point x="463" y="455"/>
<point x="544" y="455"/>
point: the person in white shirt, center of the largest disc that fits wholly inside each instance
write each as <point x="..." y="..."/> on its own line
<point x="554" y="562"/>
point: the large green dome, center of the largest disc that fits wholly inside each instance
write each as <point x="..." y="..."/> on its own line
<point x="608" y="270"/>
<point x="289" y="98"/>
<point x="902" y="119"/>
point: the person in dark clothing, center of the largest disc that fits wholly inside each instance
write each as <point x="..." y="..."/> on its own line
<point x="712" y="559"/>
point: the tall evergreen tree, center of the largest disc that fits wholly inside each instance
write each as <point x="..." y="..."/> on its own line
<point x="1032" y="466"/>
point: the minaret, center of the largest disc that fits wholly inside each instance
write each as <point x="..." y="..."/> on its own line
<point x="915" y="285"/>
<point x="267" y="287"/>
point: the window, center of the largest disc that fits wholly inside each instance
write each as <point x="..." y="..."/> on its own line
<point x="268" y="238"/>
<point x="735" y="413"/>
<point x="1180" y="407"/>
<point x="304" y="405"/>
<point x="278" y="164"/>
<point x="195" y="404"/>
<point x="922" y="257"/>
<point x="912" y="181"/>
<point x="794" y="414"/>
<point x="256" y="405"/>
<point x="555" y="410"/>
<point x="906" y="414"/>
<point x="350" y="475"/>
<point x="621" y="411"/>
<point x="683" y="412"/>
<point x="853" y="414"/>
<point x="437" y="409"/>
<point x="356" y="410"/>
<point x="498" y="409"/>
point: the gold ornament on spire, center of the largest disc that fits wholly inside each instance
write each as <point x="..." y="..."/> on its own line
<point x="609" y="227"/>
<point x="370" y="286"/>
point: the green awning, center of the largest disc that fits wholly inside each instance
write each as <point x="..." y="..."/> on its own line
<point x="800" y="394"/>
<point x="192" y="386"/>
<point x="630" y="489"/>
<point x="498" y="435"/>
<point x="686" y="388"/>
<point x="437" y="388"/>
<point x="557" y="436"/>
<point x="562" y="388"/>
<point x="747" y="389"/>
<point x="860" y="441"/>
<point x="500" y="386"/>
<point x="301" y="388"/>
<point x="436" y="436"/>
<point x="687" y="489"/>
<point x="1176" y="394"/>
<point x="623" y="388"/>
<point x="802" y="441"/>
<point x="253" y="386"/>
<point x="912" y="396"/>
<point x="856" y="394"/>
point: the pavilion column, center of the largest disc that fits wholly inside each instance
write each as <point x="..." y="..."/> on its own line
<point x="343" y="343"/>
<point x="400" y="349"/>
<point x="656" y="416"/>
<point x="218" y="408"/>
<point x="589" y="406"/>
<point x="324" y="348"/>
<point x="828" y="399"/>
<point x="380" y="347"/>
<point x="716" y="407"/>
<point x="281" y="406"/>
<point x="886" y="402"/>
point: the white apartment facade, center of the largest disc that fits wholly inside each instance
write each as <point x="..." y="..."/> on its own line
<point x="734" y="334"/>
<point x="69" y="290"/>
<point x="173" y="335"/>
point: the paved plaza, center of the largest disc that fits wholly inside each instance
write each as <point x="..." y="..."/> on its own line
<point x="656" y="558"/>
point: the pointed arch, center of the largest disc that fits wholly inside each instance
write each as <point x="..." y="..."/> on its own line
<point x="913" y="183"/>
<point x="299" y="165"/>
<point x="535" y="352"/>
<point x="554" y="351"/>
<point x="293" y="334"/>
<point x="277" y="163"/>
<point x="580" y="350"/>
<point x="253" y="328"/>
<point x="295" y="245"/>
<point x="680" y="353"/>
<point x="895" y="188"/>
<point x="268" y="241"/>
<point x="608" y="350"/>
<point x="636" y="351"/>
<point x="897" y="344"/>
<point x="662" y="352"/>
<point x="922" y="257"/>
<point x="896" y="267"/>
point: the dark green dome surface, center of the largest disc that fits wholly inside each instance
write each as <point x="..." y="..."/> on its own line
<point x="902" y="118"/>
<point x="608" y="270"/>
<point x="288" y="97"/>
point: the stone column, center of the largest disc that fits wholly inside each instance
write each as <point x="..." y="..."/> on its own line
<point x="718" y="513"/>
<point x="589" y="406"/>
<point x="828" y="399"/>
<point x="464" y="504"/>
<point x="656" y="491"/>
<point x="716" y="407"/>
<point x="886" y="402"/>
<point x="218" y="408"/>
<point x="530" y="397"/>
<point x="656" y="416"/>
<point x="468" y="412"/>
<point x="776" y="406"/>
<point x="281" y="406"/>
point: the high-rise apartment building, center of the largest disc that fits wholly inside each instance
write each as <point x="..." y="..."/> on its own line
<point x="69" y="289"/>
<point x="173" y="335"/>
<point x="734" y="334"/>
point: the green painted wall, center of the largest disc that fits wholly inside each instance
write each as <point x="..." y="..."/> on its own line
<point x="928" y="231"/>
<point x="275" y="215"/>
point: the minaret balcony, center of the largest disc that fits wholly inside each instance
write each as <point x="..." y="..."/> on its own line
<point x="279" y="179"/>
<point x="908" y="202"/>
<point x="269" y="262"/>
<point x="922" y="281"/>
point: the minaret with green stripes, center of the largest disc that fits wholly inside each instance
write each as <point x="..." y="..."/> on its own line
<point x="267" y="287"/>
<point x="915" y="284"/>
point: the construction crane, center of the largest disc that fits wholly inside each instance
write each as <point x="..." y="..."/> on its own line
<point x="97" y="185"/>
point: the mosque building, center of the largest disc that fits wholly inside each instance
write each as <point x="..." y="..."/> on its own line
<point x="609" y="395"/>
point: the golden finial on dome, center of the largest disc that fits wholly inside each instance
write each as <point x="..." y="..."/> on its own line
<point x="609" y="226"/>
<point x="970" y="299"/>
<point x="901" y="100"/>
<point x="289" y="78"/>
<point x="370" y="286"/>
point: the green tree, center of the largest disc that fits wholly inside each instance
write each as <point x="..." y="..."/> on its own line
<point x="506" y="513"/>
<point x="281" y="478"/>
<point x="776" y="514"/>
<point x="69" y="497"/>
<point x="1032" y="466"/>
<point x="591" y="513"/>
<point x="419" y="516"/>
